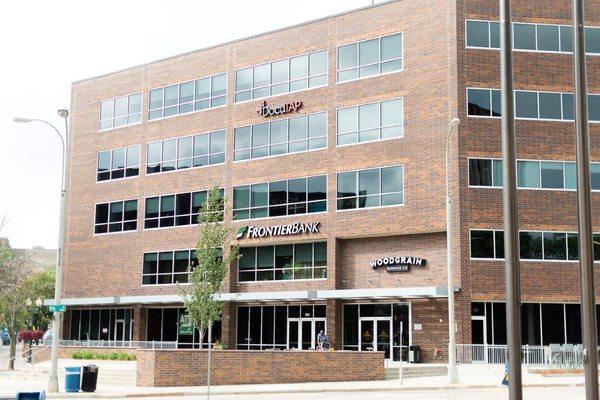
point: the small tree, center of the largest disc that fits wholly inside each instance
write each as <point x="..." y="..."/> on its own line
<point x="206" y="279"/>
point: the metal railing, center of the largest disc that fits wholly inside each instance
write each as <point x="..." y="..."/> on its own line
<point x="129" y="344"/>
<point x="554" y="355"/>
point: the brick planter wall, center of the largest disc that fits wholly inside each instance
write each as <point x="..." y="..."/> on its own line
<point x="65" y="352"/>
<point x="232" y="367"/>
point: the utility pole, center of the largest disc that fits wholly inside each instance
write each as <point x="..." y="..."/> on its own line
<point x="509" y="192"/>
<point x="584" y="208"/>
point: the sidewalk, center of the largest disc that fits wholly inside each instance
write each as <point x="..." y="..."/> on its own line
<point x="478" y="376"/>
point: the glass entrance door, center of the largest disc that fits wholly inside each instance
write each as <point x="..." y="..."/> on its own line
<point x="119" y="330"/>
<point x="478" y="339"/>
<point x="375" y="334"/>
<point x="302" y="332"/>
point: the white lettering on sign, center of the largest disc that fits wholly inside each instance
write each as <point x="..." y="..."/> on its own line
<point x="398" y="263"/>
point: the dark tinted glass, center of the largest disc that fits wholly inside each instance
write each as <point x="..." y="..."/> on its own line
<point x="573" y="246"/>
<point x="101" y="213"/>
<point x="480" y="172"/>
<point x="499" y="241"/>
<point x="478" y="34"/>
<point x="594" y="107"/>
<point x="555" y="246"/>
<point x="495" y="35"/>
<point x="524" y="36"/>
<point x="530" y="245"/>
<point x="482" y="244"/>
<point x="592" y="40"/>
<point x="479" y="102"/>
<point x="552" y="175"/>
<point x="567" y="103"/>
<point x="553" y="324"/>
<point x="566" y="38"/>
<point x="550" y="105"/>
<point x="548" y="37"/>
<point x="317" y="188"/>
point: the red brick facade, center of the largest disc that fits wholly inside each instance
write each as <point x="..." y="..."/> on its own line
<point x="437" y="70"/>
<point x="230" y="367"/>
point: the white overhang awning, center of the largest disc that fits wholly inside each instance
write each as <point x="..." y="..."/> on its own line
<point x="297" y="295"/>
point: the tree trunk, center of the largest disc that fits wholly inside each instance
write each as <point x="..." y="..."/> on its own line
<point x="209" y="354"/>
<point x="13" y="344"/>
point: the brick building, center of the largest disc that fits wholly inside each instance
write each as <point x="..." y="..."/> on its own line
<point x="328" y="139"/>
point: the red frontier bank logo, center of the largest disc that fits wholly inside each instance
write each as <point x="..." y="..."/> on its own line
<point x="265" y="111"/>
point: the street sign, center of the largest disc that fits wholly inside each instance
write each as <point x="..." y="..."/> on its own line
<point x="57" y="308"/>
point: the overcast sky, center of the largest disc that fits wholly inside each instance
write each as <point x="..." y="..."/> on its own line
<point x="46" y="45"/>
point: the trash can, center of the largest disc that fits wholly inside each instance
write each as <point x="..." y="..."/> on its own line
<point x="31" y="395"/>
<point x="89" y="378"/>
<point x="72" y="376"/>
<point x="414" y="354"/>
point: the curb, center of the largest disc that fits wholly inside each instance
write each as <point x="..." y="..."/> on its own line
<point x="298" y="390"/>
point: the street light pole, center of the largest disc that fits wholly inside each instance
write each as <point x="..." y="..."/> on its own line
<point x="452" y="371"/>
<point x="509" y="197"/>
<point x="584" y="208"/>
<point x="56" y="324"/>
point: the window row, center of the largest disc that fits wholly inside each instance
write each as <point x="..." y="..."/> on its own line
<point x="531" y="174"/>
<point x="283" y="262"/>
<point x="168" y="267"/>
<point x="283" y="76"/>
<point x="370" y="57"/>
<point x="287" y="197"/>
<point x="292" y="135"/>
<point x="175" y="209"/>
<point x="186" y="152"/>
<point x="118" y="163"/>
<point x="376" y="187"/>
<point x="120" y="111"/>
<point x="117" y="216"/>
<point x="369" y="122"/>
<point x="101" y="324"/>
<point x="181" y="98"/>
<point x="170" y="324"/>
<point x="533" y="245"/>
<point x="531" y="37"/>
<point x="530" y="105"/>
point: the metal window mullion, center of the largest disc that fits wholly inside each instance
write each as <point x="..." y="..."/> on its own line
<point x="489" y="24"/>
<point x="541" y="324"/>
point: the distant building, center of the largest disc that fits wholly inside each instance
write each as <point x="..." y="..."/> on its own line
<point x="38" y="256"/>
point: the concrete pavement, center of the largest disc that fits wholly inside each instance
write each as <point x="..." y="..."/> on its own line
<point x="472" y="377"/>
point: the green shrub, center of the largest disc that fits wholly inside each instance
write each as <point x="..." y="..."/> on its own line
<point x="88" y="355"/>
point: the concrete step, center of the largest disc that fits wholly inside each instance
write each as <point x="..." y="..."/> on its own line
<point x="416" y="371"/>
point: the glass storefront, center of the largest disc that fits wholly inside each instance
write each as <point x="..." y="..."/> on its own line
<point x="101" y="324"/>
<point x="171" y="325"/>
<point x="380" y="327"/>
<point x="280" y="327"/>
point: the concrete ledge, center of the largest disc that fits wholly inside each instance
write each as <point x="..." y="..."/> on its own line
<point x="166" y="368"/>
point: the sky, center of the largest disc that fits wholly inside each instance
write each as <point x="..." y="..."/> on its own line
<point x="46" y="45"/>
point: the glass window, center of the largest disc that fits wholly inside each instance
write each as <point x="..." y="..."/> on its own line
<point x="182" y="98"/>
<point x="167" y="267"/>
<point x="566" y="38"/>
<point x="550" y="105"/>
<point x="478" y="34"/>
<point x="482" y="244"/>
<point x="555" y="246"/>
<point x="283" y="262"/>
<point x="187" y="152"/>
<point x="594" y="107"/>
<point x="570" y="176"/>
<point x="288" y="197"/>
<point x="530" y="244"/>
<point x="479" y="102"/>
<point x="524" y="36"/>
<point x="373" y="121"/>
<point x="174" y="210"/>
<point x="370" y="57"/>
<point x="283" y="76"/>
<point x="282" y="136"/>
<point x="552" y="175"/>
<point x="120" y="111"/>
<point x="548" y="38"/>
<point x="553" y="324"/>
<point x="480" y="172"/>
<point x="494" y="35"/>
<point x="595" y="173"/>
<point x="118" y="216"/>
<point x="526" y="104"/>
<point x="567" y="106"/>
<point x="592" y="40"/>
<point x="572" y="246"/>
<point x="528" y="174"/>
<point x="118" y="163"/>
<point x="370" y="188"/>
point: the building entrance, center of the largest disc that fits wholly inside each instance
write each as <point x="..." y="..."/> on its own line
<point x="375" y="334"/>
<point x="302" y="332"/>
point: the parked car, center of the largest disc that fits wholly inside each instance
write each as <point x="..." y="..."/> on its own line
<point x="5" y="338"/>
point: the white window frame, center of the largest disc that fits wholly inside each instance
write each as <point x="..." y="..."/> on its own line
<point x="122" y="221"/>
<point x="357" y="197"/>
<point x="111" y="169"/>
<point x="127" y="116"/>
<point x="172" y="273"/>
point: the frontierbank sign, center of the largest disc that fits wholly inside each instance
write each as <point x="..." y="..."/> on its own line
<point x="295" y="228"/>
<point x="398" y="264"/>
<point x="266" y="111"/>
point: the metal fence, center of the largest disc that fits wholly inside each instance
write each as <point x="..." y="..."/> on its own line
<point x="116" y="344"/>
<point x="554" y="355"/>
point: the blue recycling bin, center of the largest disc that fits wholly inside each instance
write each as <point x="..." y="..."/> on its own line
<point x="31" y="395"/>
<point x="72" y="379"/>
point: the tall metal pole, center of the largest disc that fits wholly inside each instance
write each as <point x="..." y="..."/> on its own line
<point x="452" y="371"/>
<point x="511" y="223"/>
<point x="56" y="324"/>
<point x="584" y="208"/>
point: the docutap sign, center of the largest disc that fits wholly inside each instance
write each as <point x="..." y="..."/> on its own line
<point x="267" y="111"/>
